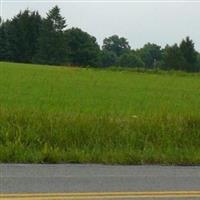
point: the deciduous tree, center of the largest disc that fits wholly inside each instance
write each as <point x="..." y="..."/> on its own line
<point x="116" y="44"/>
<point x="150" y="55"/>
<point x="130" y="59"/>
<point x="83" y="49"/>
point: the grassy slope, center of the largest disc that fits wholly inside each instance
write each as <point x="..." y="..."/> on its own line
<point x="54" y="114"/>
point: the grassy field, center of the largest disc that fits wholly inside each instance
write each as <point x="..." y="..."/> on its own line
<point x="58" y="114"/>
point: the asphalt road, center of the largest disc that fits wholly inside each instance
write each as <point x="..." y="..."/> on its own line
<point x="115" y="180"/>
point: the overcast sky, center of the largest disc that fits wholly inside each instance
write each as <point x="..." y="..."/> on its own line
<point x="140" y="22"/>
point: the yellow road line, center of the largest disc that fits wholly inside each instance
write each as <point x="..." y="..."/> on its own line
<point x="101" y="195"/>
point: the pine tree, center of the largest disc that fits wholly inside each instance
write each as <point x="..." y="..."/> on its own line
<point x="57" y="22"/>
<point x="173" y="58"/>
<point x="51" y="43"/>
<point x="3" y="50"/>
<point x="189" y="53"/>
<point x="20" y="36"/>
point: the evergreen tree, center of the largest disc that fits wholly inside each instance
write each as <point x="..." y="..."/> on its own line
<point x="197" y="68"/>
<point x="55" y="20"/>
<point x="173" y="58"/>
<point x="21" y="34"/>
<point x="189" y="53"/>
<point x="51" y="43"/>
<point x="3" y="49"/>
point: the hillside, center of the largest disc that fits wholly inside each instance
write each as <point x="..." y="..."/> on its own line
<point x="65" y="114"/>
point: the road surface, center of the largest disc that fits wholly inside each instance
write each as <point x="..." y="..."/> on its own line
<point x="69" y="181"/>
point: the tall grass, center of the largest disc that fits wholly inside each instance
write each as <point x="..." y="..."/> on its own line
<point x="55" y="137"/>
<point x="56" y="115"/>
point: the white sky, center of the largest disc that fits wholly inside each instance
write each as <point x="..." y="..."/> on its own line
<point x="158" y="22"/>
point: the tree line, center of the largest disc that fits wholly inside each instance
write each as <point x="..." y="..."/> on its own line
<point x="29" y="38"/>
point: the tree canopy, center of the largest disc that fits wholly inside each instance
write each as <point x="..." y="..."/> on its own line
<point x="150" y="54"/>
<point x="83" y="49"/>
<point x="116" y="44"/>
<point x="189" y="54"/>
<point x="28" y="37"/>
<point x="18" y="37"/>
<point x="51" y="41"/>
<point x="130" y="59"/>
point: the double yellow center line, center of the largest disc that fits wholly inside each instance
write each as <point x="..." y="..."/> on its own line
<point x="101" y="195"/>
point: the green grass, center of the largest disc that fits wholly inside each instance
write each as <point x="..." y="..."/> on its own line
<point x="58" y="114"/>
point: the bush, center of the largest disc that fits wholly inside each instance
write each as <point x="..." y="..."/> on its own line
<point x="130" y="60"/>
